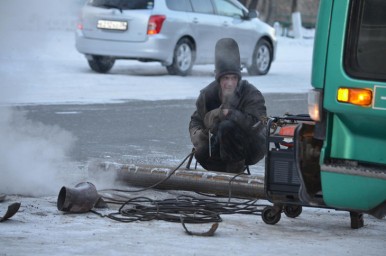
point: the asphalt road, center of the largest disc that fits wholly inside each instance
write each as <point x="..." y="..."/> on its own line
<point x="140" y="132"/>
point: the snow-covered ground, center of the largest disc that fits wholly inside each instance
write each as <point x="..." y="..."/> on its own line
<point x="39" y="65"/>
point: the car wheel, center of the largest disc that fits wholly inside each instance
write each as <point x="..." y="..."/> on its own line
<point x="183" y="58"/>
<point x="101" y="64"/>
<point x="262" y="58"/>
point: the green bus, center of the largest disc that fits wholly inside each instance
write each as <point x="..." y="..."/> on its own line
<point x="348" y="105"/>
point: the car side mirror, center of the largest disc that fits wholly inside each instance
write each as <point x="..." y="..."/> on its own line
<point x="251" y="14"/>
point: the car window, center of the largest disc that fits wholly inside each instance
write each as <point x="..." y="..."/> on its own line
<point x="365" y="52"/>
<point x="227" y="8"/>
<point x="202" y="6"/>
<point x="179" y="5"/>
<point x="123" y="4"/>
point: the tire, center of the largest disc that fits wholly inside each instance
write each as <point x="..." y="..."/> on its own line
<point x="292" y="211"/>
<point x="183" y="58"/>
<point x="261" y="59"/>
<point x="270" y="215"/>
<point x="101" y="64"/>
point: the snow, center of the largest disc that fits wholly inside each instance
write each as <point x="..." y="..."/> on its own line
<point x="39" y="65"/>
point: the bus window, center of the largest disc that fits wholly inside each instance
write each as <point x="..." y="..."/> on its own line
<point x="365" y="50"/>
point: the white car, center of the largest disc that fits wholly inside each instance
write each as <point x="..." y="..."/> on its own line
<point x="176" y="33"/>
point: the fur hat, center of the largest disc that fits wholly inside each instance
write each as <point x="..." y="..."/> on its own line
<point x="227" y="58"/>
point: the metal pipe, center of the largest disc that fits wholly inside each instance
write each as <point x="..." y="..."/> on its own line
<point x="219" y="183"/>
<point x="80" y="199"/>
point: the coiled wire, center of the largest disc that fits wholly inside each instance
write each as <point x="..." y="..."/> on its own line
<point x="183" y="209"/>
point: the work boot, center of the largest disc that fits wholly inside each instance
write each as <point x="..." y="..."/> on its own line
<point x="236" y="167"/>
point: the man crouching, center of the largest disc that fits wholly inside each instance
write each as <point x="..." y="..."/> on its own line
<point x="226" y="128"/>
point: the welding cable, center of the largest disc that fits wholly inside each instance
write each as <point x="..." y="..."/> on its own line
<point x="183" y="209"/>
<point x="210" y="232"/>
<point x="189" y="208"/>
<point x="230" y="187"/>
<point x="171" y="210"/>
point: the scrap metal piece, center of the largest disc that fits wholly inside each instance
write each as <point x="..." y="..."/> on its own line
<point x="80" y="199"/>
<point x="12" y="209"/>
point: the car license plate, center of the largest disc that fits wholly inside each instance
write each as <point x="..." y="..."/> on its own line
<point x="112" y="24"/>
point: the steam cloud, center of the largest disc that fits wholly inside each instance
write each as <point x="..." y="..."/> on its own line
<point x="32" y="155"/>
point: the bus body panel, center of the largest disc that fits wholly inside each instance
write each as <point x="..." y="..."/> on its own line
<point x="355" y="136"/>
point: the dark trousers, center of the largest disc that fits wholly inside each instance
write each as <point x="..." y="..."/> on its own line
<point x="230" y="144"/>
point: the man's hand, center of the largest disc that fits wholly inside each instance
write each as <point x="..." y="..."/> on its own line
<point x="225" y="111"/>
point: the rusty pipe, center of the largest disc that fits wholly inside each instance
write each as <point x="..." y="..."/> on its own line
<point x="219" y="183"/>
<point x="82" y="198"/>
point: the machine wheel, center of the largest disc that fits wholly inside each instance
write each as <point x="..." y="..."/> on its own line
<point x="183" y="58"/>
<point x="101" y="64"/>
<point x="270" y="215"/>
<point x="292" y="211"/>
<point x="261" y="59"/>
